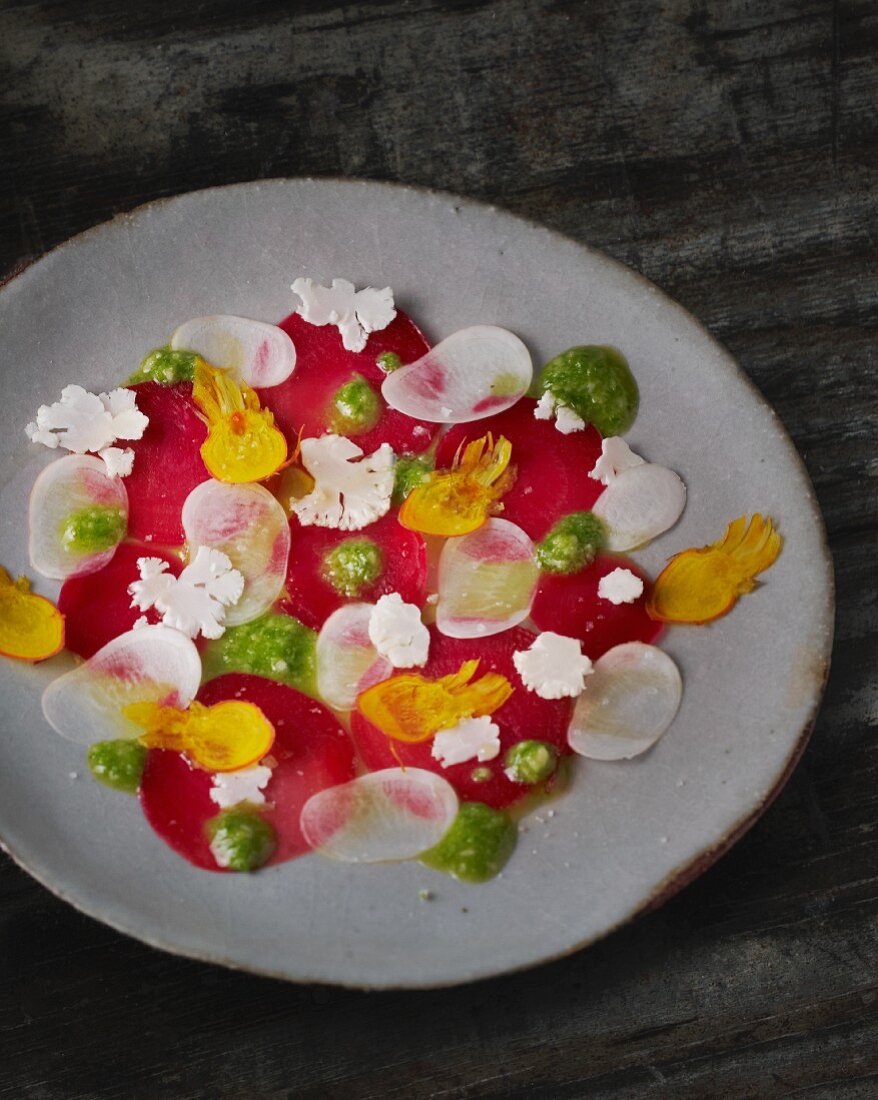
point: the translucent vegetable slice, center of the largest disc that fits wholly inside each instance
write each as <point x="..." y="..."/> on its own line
<point x="250" y="527"/>
<point x="256" y="353"/>
<point x="629" y="701"/>
<point x="640" y="504"/>
<point x="487" y="581"/>
<point x="78" y="516"/>
<point x="381" y="817"/>
<point x="471" y="374"/>
<point x="347" y="661"/>
<point x="151" y="664"/>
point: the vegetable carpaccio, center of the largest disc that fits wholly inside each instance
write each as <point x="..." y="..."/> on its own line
<point x="420" y="592"/>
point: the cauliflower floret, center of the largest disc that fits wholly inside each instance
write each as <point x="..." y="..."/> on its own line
<point x="396" y="631"/>
<point x="554" y="667"/>
<point x="83" y="421"/>
<point x="471" y="739"/>
<point x="356" y="313"/>
<point x="244" y="785"/>
<point x="347" y="494"/>
<point x="566" y="420"/>
<point x="196" y="601"/>
<point x="616" y="456"/>
<point x="620" y="586"/>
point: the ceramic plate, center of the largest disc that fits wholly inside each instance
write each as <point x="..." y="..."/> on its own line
<point x="625" y="835"/>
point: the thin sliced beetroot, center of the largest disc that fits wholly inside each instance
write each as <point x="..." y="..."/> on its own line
<point x="167" y="462"/>
<point x="570" y="605"/>
<point x="312" y="751"/>
<point x="551" y="469"/>
<point x="98" y="607"/>
<point x="323" y="365"/>
<point x="524" y="716"/>
<point x="312" y="599"/>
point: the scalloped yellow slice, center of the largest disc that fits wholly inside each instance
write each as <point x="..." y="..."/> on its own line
<point x="701" y="584"/>
<point x="242" y="442"/>
<point x="31" y="627"/>
<point x="224" y="737"/>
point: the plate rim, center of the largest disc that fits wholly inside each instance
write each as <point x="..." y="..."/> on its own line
<point x="687" y="871"/>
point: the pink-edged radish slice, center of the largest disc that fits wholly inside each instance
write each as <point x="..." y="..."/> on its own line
<point x="487" y="581"/>
<point x="639" y="504"/>
<point x="78" y="516"/>
<point x="473" y="373"/>
<point x="250" y="527"/>
<point x="255" y="353"/>
<point x="381" y="817"/>
<point x="148" y="664"/>
<point x="347" y="661"/>
<point x="629" y="701"/>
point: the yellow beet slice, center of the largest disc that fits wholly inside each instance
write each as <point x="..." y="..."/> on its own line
<point x="31" y="627"/>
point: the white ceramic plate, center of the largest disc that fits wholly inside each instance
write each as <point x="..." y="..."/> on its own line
<point x="626" y="835"/>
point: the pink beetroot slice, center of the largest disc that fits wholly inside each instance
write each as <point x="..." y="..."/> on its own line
<point x="312" y="599"/>
<point x="323" y="365"/>
<point x="523" y="717"/>
<point x="98" y="607"/>
<point x="167" y="462"/>
<point x="312" y="751"/>
<point x="569" y="604"/>
<point x="551" y="469"/>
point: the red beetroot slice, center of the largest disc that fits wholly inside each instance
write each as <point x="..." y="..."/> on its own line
<point x="570" y="605"/>
<point x="524" y="716"/>
<point x="98" y="607"/>
<point x="312" y="751"/>
<point x="323" y="364"/>
<point x="551" y="469"/>
<point x="312" y="599"/>
<point x="167" y="462"/>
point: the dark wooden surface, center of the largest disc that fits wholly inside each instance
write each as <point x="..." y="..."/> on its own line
<point x="727" y="150"/>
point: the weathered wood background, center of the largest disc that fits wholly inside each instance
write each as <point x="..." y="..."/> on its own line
<point x="728" y="151"/>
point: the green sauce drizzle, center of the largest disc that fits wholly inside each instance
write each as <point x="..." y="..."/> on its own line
<point x="356" y="407"/>
<point x="477" y="845"/>
<point x="166" y="366"/>
<point x="93" y="529"/>
<point x="352" y="566"/>
<point x="117" y="764"/>
<point x="241" y="839"/>
<point x="409" y="472"/>
<point x="276" y="646"/>
<point x="597" y="383"/>
<point x="571" y="544"/>
<point x="531" y="761"/>
<point x="388" y="361"/>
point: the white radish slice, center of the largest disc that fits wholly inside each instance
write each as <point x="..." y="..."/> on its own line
<point x="347" y="661"/>
<point x="381" y="817"/>
<point x="629" y="701"/>
<point x="257" y="353"/>
<point x="473" y="373"/>
<point x="487" y="581"/>
<point x="151" y="664"/>
<point x="65" y="488"/>
<point x="248" y="525"/>
<point x="639" y="504"/>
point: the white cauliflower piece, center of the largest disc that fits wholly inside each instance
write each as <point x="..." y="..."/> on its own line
<point x="83" y="421"/>
<point x="620" y="586"/>
<point x="566" y="420"/>
<point x="355" y="313"/>
<point x="396" y="631"/>
<point x="195" y="602"/>
<point x="118" y="460"/>
<point x="554" y="667"/>
<point x="616" y="456"/>
<point x="244" y="785"/>
<point x="471" y="739"/>
<point x="348" y="494"/>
